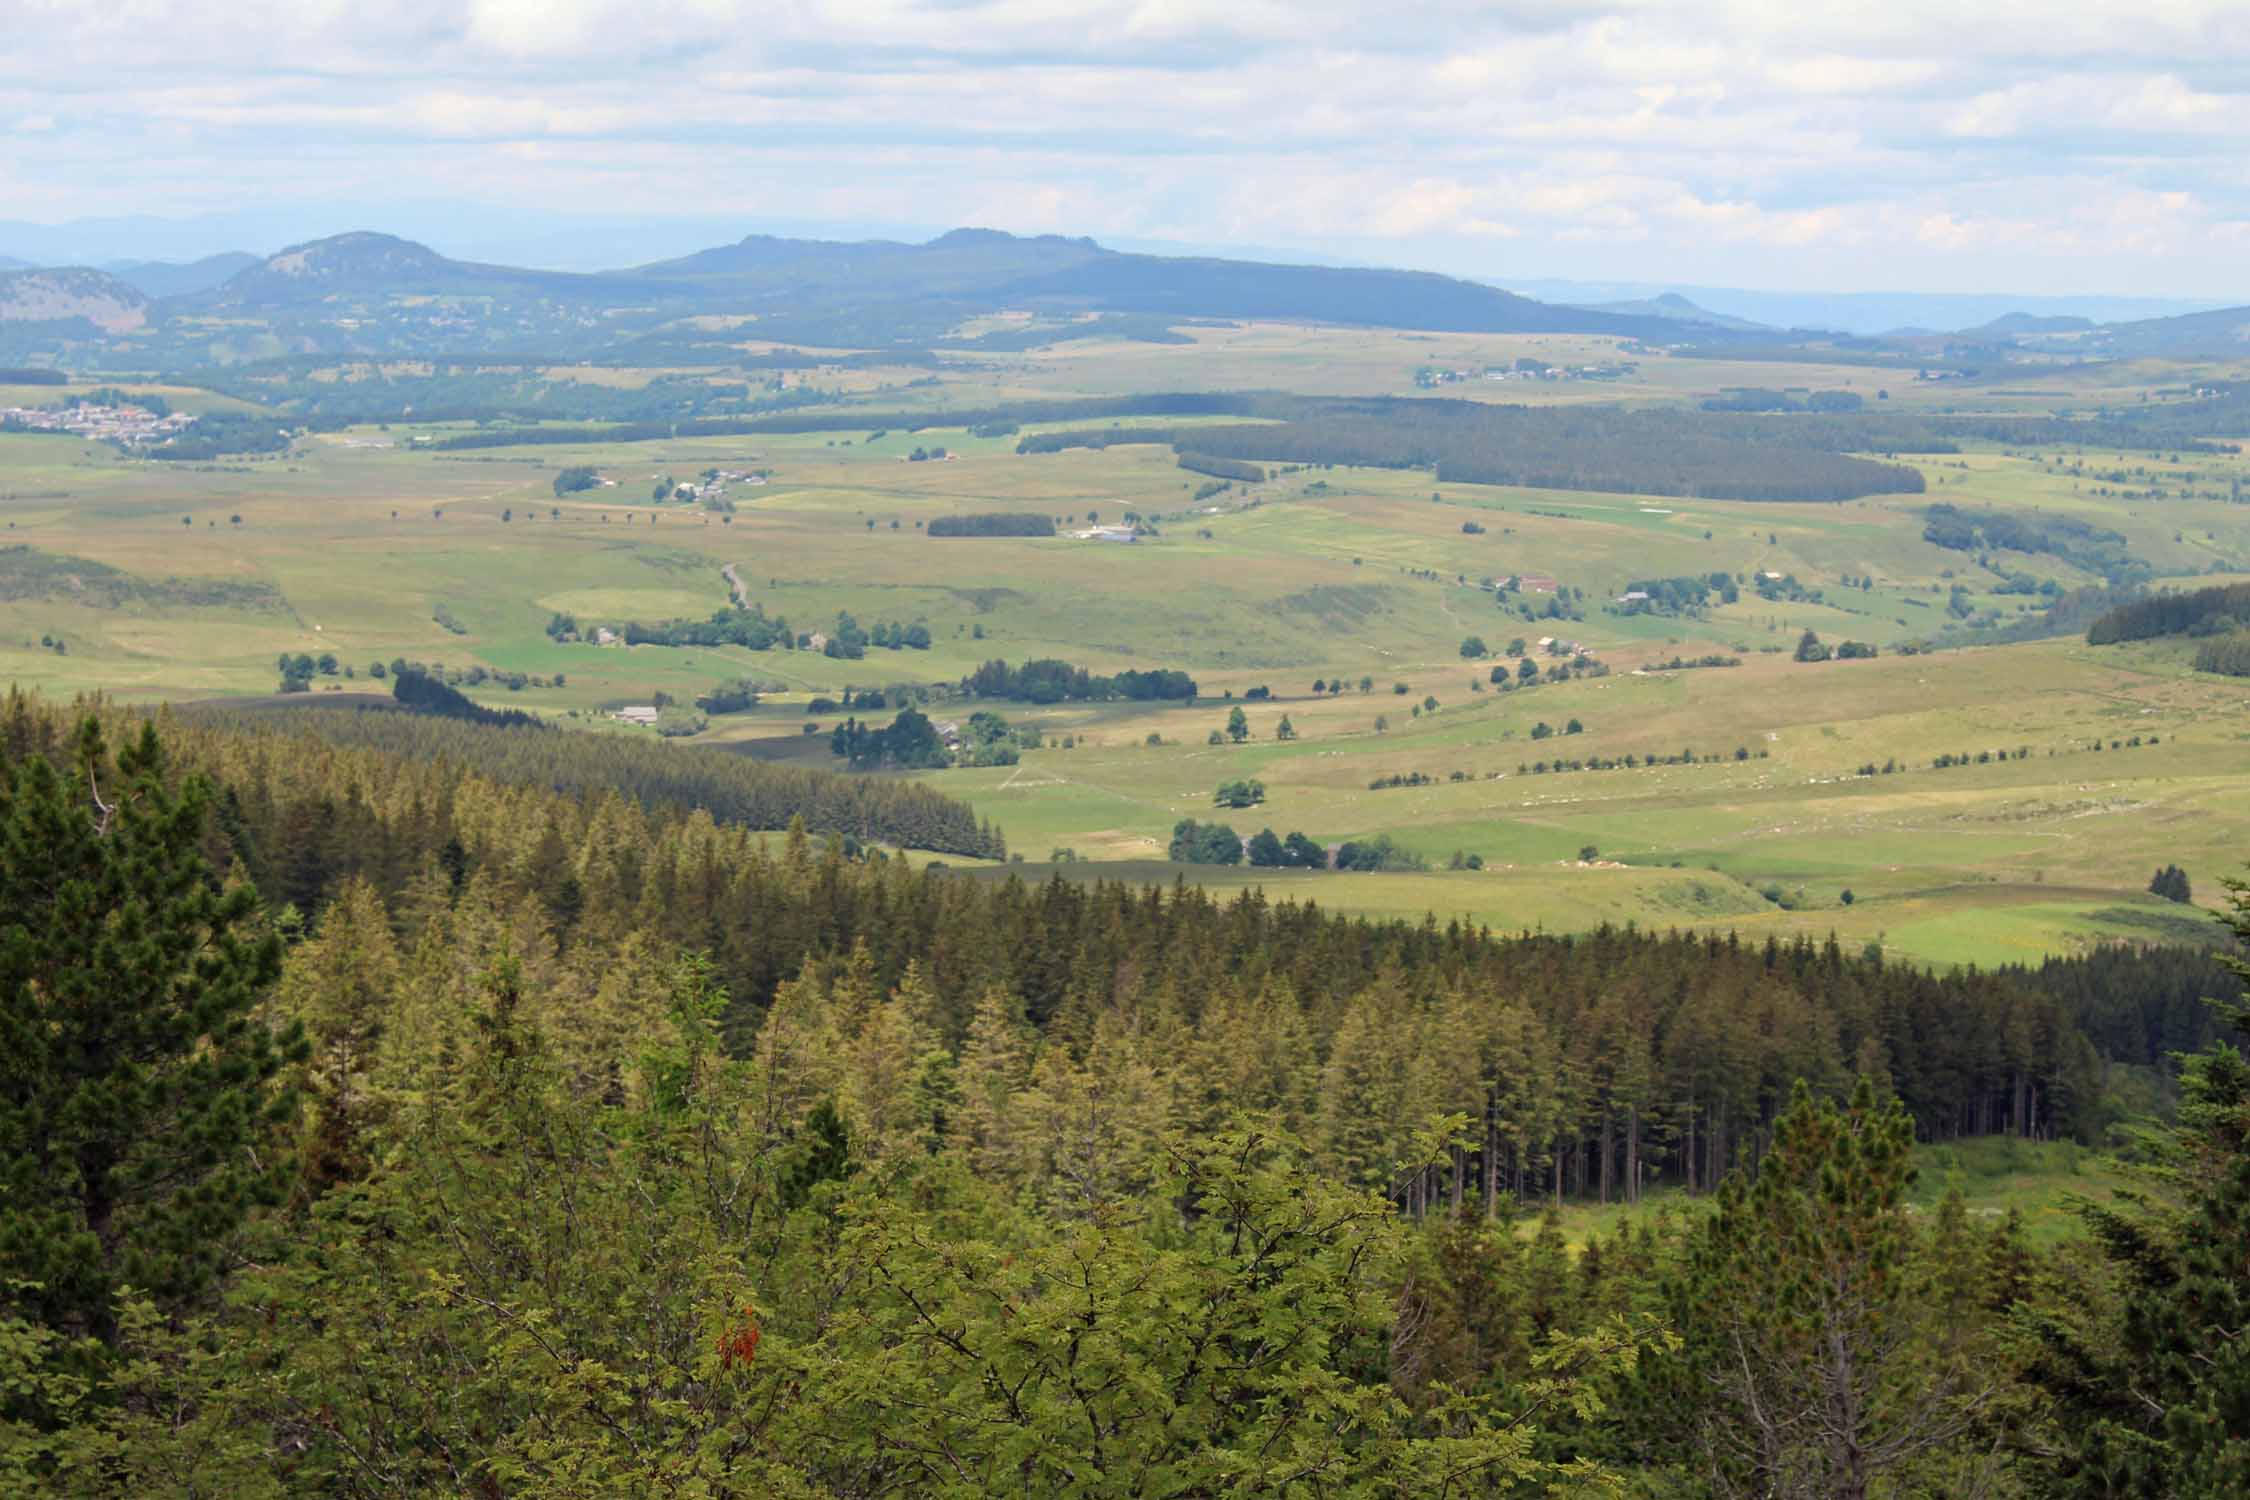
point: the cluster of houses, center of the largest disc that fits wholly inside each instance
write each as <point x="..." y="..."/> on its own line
<point x="1108" y="534"/>
<point x="714" y="484"/>
<point x="1523" y="369"/>
<point x="130" y="425"/>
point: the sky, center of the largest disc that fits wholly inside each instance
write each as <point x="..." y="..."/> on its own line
<point x="1977" y="145"/>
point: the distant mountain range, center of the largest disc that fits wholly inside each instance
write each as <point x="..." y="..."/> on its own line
<point x="369" y="293"/>
<point x="959" y="273"/>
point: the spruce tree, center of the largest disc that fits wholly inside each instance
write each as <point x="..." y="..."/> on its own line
<point x="140" y="1092"/>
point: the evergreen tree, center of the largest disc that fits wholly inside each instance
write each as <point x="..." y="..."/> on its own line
<point x="2154" y="1399"/>
<point x="1806" y="1336"/>
<point x="139" y="1089"/>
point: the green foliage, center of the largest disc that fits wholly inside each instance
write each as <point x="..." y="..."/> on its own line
<point x="1378" y="853"/>
<point x="2227" y="654"/>
<point x="139" y="1087"/>
<point x="992" y="523"/>
<point x="576" y="478"/>
<point x="215" y="434"/>
<point x="918" y="1182"/>
<point x="1196" y="843"/>
<point x="2208" y="610"/>
<point x="2082" y="545"/>
<point x="1217" y="1360"/>
<point x="909" y="742"/>
<point x="1052" y="681"/>
<point x="1830" y="1366"/>
<point x="1222" y="468"/>
<point x="669" y="781"/>
<point x="2144" y="1359"/>
<point x="1239" y="794"/>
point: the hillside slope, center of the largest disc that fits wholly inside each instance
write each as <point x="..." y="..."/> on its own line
<point x="71" y="293"/>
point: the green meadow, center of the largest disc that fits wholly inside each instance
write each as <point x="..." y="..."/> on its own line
<point x="181" y="581"/>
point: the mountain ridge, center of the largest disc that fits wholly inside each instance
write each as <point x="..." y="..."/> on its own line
<point x="966" y="270"/>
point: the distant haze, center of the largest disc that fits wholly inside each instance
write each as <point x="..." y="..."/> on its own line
<point x="1860" y="312"/>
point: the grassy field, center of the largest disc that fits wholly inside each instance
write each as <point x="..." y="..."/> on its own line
<point x="358" y="544"/>
<point x="2036" y="1179"/>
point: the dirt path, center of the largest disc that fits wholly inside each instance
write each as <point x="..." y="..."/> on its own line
<point x="736" y="586"/>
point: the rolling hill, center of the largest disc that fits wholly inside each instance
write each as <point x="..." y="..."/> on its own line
<point x="2222" y="334"/>
<point x="69" y="295"/>
<point x="366" y="265"/>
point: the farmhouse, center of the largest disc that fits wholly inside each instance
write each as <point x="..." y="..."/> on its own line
<point x="643" y="714"/>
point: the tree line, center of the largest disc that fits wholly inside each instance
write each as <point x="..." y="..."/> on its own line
<point x="1614" y="449"/>
<point x="671" y="781"/>
<point x="993" y="523"/>
<point x="2208" y="610"/>
<point x="1049" y="680"/>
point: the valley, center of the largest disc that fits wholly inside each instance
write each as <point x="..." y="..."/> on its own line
<point x="1730" y="798"/>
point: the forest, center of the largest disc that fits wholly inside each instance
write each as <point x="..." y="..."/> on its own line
<point x="1052" y="681"/>
<point x="401" y="1106"/>
<point x="216" y="434"/>
<point x="992" y="523"/>
<point x="1638" y="452"/>
<point x="2197" y="611"/>
<point x="2097" y="549"/>
<point x="2228" y="654"/>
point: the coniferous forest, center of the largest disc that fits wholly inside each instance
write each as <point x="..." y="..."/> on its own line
<point x="402" y="1106"/>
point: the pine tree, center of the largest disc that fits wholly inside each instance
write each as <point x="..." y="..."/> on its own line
<point x="1804" y="1321"/>
<point x="2158" y="1402"/>
<point x="139" y="1090"/>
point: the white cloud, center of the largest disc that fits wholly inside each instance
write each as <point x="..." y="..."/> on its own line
<point x="1795" y="142"/>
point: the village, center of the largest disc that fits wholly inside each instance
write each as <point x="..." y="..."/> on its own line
<point x="125" y="424"/>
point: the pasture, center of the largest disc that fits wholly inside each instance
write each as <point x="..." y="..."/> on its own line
<point x="175" y="581"/>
